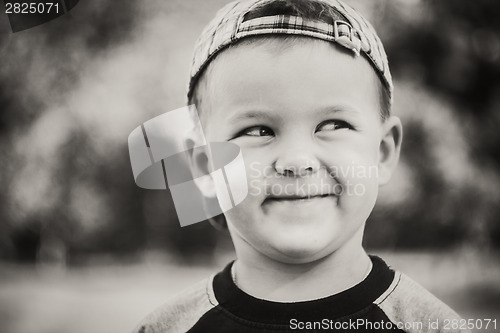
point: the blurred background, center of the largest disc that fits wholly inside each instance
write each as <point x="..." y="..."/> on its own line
<point x="83" y="249"/>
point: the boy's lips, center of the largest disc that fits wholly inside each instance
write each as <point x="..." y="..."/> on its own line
<point x="298" y="200"/>
<point x="296" y="205"/>
<point x="296" y="197"/>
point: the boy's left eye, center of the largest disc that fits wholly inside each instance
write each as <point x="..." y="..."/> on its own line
<point x="333" y="125"/>
<point x="258" y="131"/>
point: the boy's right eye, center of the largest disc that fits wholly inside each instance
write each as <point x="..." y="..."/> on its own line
<point x="257" y="131"/>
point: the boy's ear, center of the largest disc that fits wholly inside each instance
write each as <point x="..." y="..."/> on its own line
<point x="219" y="223"/>
<point x="200" y="167"/>
<point x="390" y="147"/>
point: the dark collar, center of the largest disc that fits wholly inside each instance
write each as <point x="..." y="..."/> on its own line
<point x="348" y="302"/>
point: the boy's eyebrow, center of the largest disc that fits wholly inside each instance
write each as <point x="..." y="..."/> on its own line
<point x="251" y="114"/>
<point x="337" y="109"/>
<point x="324" y="111"/>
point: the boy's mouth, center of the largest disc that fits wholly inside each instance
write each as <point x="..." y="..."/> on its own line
<point x="294" y="204"/>
<point x="292" y="201"/>
<point x="296" y="197"/>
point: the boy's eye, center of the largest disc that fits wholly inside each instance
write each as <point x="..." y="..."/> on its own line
<point x="257" y="131"/>
<point x="333" y="125"/>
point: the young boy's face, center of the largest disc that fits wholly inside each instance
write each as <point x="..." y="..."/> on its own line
<point x="308" y="124"/>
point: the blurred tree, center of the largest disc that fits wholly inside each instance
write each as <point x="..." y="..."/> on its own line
<point x="81" y="199"/>
<point x="451" y="49"/>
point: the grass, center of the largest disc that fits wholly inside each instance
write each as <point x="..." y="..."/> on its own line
<point x="107" y="298"/>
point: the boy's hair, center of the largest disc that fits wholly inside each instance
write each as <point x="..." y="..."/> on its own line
<point x="284" y="23"/>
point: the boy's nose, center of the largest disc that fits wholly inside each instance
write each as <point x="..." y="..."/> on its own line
<point x="296" y="163"/>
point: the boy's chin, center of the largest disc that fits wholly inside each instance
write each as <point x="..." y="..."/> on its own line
<point x="299" y="253"/>
<point x="304" y="249"/>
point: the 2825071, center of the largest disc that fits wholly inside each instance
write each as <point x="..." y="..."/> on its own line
<point x="31" y="7"/>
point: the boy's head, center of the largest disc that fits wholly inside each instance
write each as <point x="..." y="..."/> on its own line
<point x="285" y="81"/>
<point x="282" y="23"/>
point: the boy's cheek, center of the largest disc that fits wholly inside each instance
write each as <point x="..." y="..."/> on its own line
<point x="254" y="188"/>
<point x="258" y="174"/>
<point x="358" y="178"/>
<point x="359" y="197"/>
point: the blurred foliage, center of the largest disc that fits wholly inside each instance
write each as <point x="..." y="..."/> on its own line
<point x="73" y="89"/>
<point x="448" y="54"/>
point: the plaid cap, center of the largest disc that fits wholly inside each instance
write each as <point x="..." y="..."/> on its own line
<point x="229" y="26"/>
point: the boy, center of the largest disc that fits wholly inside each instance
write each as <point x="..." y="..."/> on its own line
<point x="304" y="89"/>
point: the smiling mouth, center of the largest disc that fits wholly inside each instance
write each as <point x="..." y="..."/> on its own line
<point x="297" y="198"/>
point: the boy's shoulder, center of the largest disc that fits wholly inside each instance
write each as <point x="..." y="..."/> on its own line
<point x="406" y="301"/>
<point x="182" y="311"/>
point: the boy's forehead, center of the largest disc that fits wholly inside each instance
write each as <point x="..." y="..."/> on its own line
<point x="312" y="75"/>
<point x="231" y="26"/>
<point x="267" y="51"/>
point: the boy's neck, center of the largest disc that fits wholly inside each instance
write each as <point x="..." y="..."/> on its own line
<point x="267" y="279"/>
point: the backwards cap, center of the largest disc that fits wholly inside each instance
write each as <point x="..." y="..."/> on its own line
<point x="235" y="21"/>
